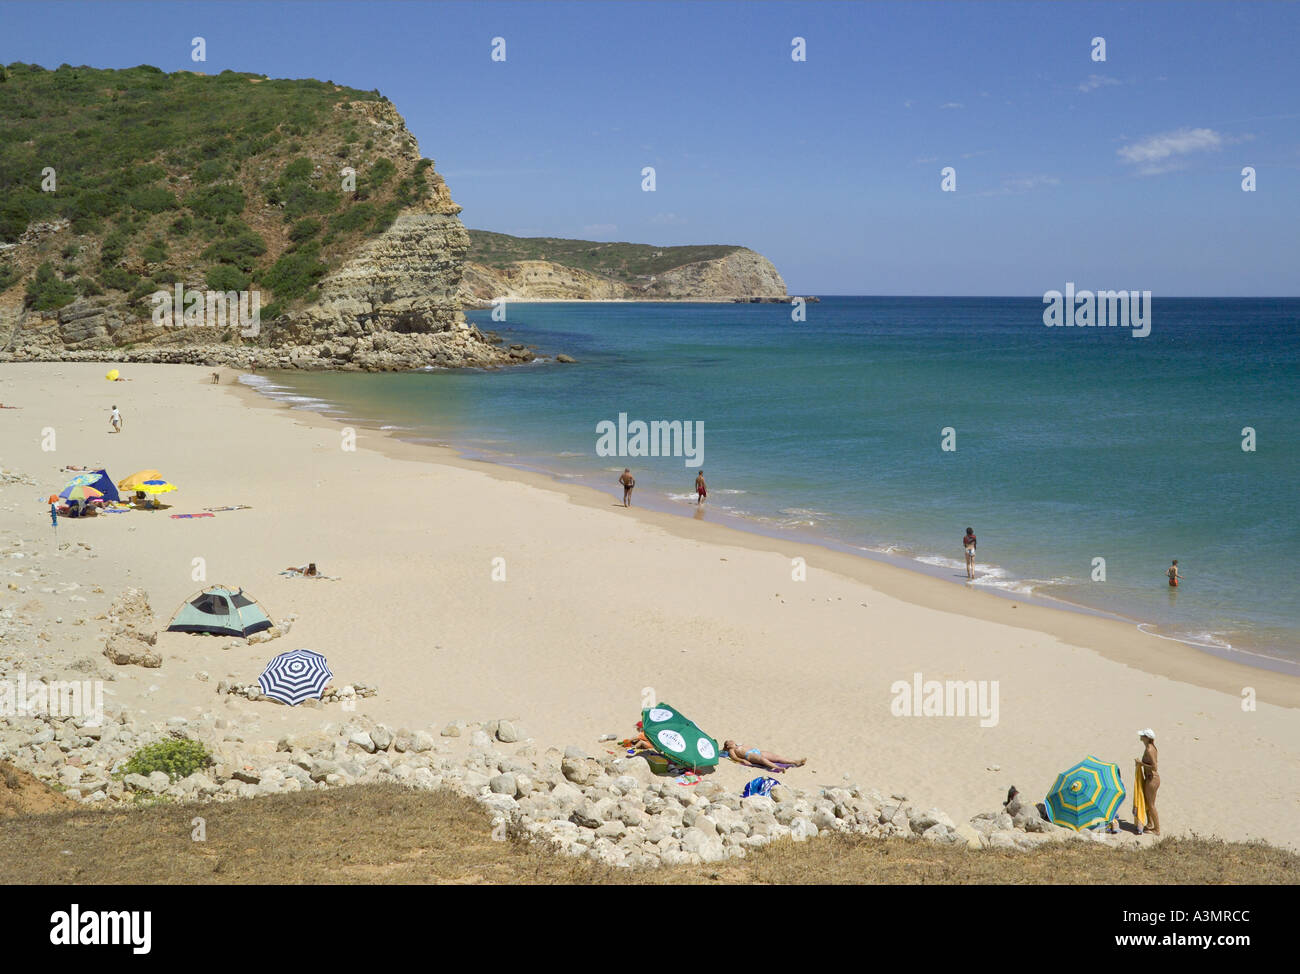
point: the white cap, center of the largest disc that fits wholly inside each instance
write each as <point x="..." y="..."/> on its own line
<point x="1147" y="733"/>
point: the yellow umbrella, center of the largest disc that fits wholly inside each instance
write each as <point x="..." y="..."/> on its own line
<point x="156" y="487"/>
<point x="139" y="477"/>
<point x="112" y="375"/>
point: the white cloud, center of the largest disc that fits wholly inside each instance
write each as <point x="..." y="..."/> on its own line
<point x="951" y="104"/>
<point x="668" y="219"/>
<point x="599" y="228"/>
<point x="1096" y="81"/>
<point x="1156" y="148"/>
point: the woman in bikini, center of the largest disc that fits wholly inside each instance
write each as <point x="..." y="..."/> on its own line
<point x="754" y="757"/>
<point x="1150" y="779"/>
<point x="968" y="542"/>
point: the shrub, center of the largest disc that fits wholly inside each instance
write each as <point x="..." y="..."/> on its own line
<point x="117" y="278"/>
<point x="9" y="274"/>
<point x="113" y="248"/>
<point x="46" y="291"/>
<point x="174" y="756"/>
<point x="155" y="252"/>
<point x="223" y="199"/>
<point x="151" y="199"/>
<point x="354" y="217"/>
<point x="294" y="274"/>
<point x="304" y="229"/>
<point x="240" y="249"/>
<point x="225" y="277"/>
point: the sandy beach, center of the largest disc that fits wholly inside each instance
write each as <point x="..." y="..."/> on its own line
<point x="597" y="603"/>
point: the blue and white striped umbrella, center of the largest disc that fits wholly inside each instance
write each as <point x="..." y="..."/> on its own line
<point x="295" y="676"/>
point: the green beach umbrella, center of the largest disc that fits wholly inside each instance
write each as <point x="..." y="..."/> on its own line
<point x="1086" y="795"/>
<point x="678" y="738"/>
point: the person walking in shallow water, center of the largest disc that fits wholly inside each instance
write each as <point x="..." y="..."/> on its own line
<point x="1172" y="572"/>
<point x="968" y="542"/>
<point x="701" y="488"/>
<point x="628" y="482"/>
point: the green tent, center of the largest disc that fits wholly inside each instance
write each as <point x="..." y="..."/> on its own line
<point x="678" y="738"/>
<point x="220" y="611"/>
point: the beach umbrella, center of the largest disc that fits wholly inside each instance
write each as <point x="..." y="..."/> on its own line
<point x="1086" y="795"/>
<point x="678" y="738"/>
<point x="80" y="492"/>
<point x="112" y="375"/>
<point x="83" y="479"/>
<point x="139" y="477"/>
<point x="155" y="487"/>
<point x="295" y="676"/>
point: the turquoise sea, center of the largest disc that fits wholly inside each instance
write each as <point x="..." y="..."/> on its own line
<point x="1072" y="444"/>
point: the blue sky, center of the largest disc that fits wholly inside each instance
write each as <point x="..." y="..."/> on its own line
<point x="1122" y="174"/>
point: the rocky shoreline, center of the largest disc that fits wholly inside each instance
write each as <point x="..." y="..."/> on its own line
<point x="612" y="808"/>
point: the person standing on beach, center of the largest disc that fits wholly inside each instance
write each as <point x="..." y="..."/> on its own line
<point x="1172" y="572"/>
<point x="1150" y="778"/>
<point x="115" y="418"/>
<point x="628" y="482"/>
<point x="54" y="515"/>
<point x="701" y="488"/>
<point x="968" y="542"/>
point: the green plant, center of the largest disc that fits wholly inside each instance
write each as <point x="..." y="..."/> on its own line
<point x="225" y="277"/>
<point x="9" y="275"/>
<point x="304" y="229"/>
<point x="46" y="291"/>
<point x="294" y="274"/>
<point x="176" y="757"/>
<point x="154" y="252"/>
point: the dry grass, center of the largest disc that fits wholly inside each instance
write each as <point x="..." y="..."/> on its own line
<point x="387" y="834"/>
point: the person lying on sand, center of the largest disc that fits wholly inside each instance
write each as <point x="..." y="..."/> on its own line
<point x="3" y="406"/>
<point x="309" y="571"/>
<point x="754" y="757"/>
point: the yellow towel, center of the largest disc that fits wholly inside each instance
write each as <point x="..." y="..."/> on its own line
<point x="1139" y="799"/>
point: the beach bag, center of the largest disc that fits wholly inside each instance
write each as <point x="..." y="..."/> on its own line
<point x="759" y="786"/>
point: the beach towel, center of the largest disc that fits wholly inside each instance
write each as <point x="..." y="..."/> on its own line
<point x="113" y="510"/>
<point x="190" y="515"/>
<point x="231" y="507"/>
<point x="759" y="786"/>
<point x="1139" y="799"/>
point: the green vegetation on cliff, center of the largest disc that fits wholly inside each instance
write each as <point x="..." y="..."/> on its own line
<point x="234" y="179"/>
<point x="625" y="262"/>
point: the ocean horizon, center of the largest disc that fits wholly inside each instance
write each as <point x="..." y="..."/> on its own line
<point x="1086" y="459"/>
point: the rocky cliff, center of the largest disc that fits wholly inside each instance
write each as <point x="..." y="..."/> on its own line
<point x="357" y="275"/>
<point x="740" y="275"/>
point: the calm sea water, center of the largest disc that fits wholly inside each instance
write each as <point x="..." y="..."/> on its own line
<point x="1071" y="444"/>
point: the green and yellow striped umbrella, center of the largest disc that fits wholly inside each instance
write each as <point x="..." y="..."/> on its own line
<point x="1087" y="795"/>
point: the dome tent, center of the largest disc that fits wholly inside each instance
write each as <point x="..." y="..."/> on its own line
<point x="220" y="611"/>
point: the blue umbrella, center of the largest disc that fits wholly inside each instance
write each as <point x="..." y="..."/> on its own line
<point x="1086" y="795"/>
<point x="295" y="676"/>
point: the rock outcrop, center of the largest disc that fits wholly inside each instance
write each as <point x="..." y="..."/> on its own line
<point x="742" y="275"/>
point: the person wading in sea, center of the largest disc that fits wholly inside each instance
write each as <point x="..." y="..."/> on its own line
<point x="701" y="488"/>
<point x="968" y="542"/>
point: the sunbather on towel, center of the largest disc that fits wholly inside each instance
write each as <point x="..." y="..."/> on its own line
<point x="753" y="757"/>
